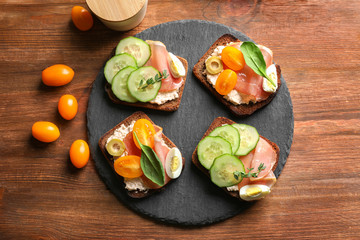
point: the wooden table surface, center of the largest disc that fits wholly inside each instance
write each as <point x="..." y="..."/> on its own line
<point x="42" y="196"/>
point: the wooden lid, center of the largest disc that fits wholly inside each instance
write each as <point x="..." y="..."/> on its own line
<point x="115" y="10"/>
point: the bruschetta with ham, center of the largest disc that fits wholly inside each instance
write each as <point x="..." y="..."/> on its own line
<point x="145" y="74"/>
<point x="143" y="158"/>
<point x="237" y="159"/>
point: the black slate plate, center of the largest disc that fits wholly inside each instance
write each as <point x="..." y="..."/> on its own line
<point x="192" y="199"/>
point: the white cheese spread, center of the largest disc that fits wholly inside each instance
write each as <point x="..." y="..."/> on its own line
<point x="163" y="97"/>
<point x="131" y="184"/>
<point x="233" y="188"/>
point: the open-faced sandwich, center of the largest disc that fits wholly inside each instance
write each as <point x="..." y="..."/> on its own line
<point x="240" y="74"/>
<point x="144" y="74"/>
<point x="237" y="159"/>
<point x="141" y="155"/>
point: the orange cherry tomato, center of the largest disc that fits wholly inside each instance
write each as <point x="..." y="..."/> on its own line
<point x="45" y="131"/>
<point x="79" y="153"/>
<point x="233" y="58"/>
<point x="145" y="132"/>
<point x="128" y="166"/>
<point x="226" y="82"/>
<point x="68" y="106"/>
<point x="81" y="18"/>
<point x="57" y="75"/>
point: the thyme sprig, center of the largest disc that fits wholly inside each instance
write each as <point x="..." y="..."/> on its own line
<point x="150" y="81"/>
<point x="238" y="174"/>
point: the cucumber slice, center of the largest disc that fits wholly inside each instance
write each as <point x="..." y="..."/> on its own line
<point x="119" y="85"/>
<point x="249" y="138"/>
<point x="116" y="63"/>
<point x="143" y="74"/>
<point x="211" y="147"/>
<point x="223" y="168"/>
<point x="230" y="134"/>
<point x="137" y="47"/>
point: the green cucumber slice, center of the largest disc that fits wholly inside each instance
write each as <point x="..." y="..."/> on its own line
<point x="230" y="134"/>
<point x="249" y="138"/>
<point x="211" y="147"/>
<point x="223" y="168"/>
<point x="116" y="63"/>
<point x="119" y="85"/>
<point x="136" y="47"/>
<point x="143" y="74"/>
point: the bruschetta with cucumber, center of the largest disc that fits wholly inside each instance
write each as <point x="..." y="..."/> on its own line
<point x="237" y="159"/>
<point x="144" y="74"/>
<point x="241" y="75"/>
<point x="143" y="158"/>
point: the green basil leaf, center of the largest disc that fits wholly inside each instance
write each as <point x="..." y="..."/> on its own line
<point x="151" y="164"/>
<point x="255" y="59"/>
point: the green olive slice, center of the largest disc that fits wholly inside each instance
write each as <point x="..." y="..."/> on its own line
<point x="214" y="65"/>
<point x="115" y="147"/>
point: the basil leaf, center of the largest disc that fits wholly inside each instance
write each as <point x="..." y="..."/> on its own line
<point x="255" y="59"/>
<point x="151" y="164"/>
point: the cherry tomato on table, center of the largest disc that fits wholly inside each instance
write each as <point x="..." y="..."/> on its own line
<point x="57" y="75"/>
<point x="233" y="58"/>
<point x="45" y="131"/>
<point x="79" y="153"/>
<point x="68" y="106"/>
<point x="81" y="18"/>
<point x="226" y="82"/>
<point x="145" y="132"/>
<point x="128" y="166"/>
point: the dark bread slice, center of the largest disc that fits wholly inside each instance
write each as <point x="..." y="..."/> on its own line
<point x="217" y="123"/>
<point x="199" y="71"/>
<point x="102" y="144"/>
<point x="169" y="106"/>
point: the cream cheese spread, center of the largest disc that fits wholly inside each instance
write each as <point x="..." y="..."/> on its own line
<point x="163" y="97"/>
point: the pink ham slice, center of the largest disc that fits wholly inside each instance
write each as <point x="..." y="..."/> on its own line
<point x="249" y="82"/>
<point x="159" y="60"/>
<point x="264" y="153"/>
<point x="161" y="149"/>
<point x="246" y="160"/>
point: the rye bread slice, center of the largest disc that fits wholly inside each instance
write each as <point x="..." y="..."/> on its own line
<point x="169" y="106"/>
<point x="102" y="144"/>
<point x="217" y="123"/>
<point x="199" y="71"/>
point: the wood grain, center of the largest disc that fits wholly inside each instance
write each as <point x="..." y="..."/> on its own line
<point x="316" y="43"/>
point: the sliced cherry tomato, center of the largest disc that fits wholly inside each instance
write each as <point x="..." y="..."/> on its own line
<point x="128" y="166"/>
<point x="45" y="131"/>
<point x="79" y="153"/>
<point x="57" y="75"/>
<point x="81" y="18"/>
<point x="68" y="106"/>
<point x="145" y="132"/>
<point x="233" y="58"/>
<point x="226" y="82"/>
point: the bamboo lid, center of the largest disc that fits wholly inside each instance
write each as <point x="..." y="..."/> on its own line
<point x="115" y="12"/>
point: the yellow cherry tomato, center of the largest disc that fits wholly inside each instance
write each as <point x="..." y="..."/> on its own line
<point x="68" y="106"/>
<point x="79" y="153"/>
<point x="45" y="131"/>
<point x="226" y="82"/>
<point x="57" y="75"/>
<point x="81" y="18"/>
<point x="128" y="166"/>
<point x="233" y="58"/>
<point x="145" y="132"/>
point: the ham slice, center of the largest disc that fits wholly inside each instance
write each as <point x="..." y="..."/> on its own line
<point x="249" y="82"/>
<point x="246" y="160"/>
<point x="130" y="146"/>
<point x="159" y="59"/>
<point x="264" y="153"/>
<point x="161" y="150"/>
